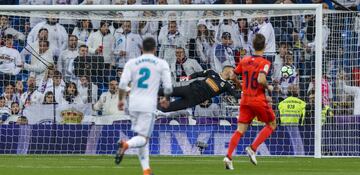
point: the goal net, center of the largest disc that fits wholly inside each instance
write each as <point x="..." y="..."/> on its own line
<point x="60" y="72"/>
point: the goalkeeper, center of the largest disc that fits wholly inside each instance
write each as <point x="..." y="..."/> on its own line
<point x="199" y="91"/>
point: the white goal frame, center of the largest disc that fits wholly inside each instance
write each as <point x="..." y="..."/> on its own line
<point x="314" y="7"/>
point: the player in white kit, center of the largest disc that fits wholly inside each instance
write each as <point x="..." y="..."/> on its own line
<point x="145" y="73"/>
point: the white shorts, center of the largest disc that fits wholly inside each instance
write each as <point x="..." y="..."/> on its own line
<point x="142" y="122"/>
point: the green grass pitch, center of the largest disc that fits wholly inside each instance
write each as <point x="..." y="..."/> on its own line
<point x="103" y="165"/>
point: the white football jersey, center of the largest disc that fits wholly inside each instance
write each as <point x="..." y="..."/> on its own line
<point x="145" y="73"/>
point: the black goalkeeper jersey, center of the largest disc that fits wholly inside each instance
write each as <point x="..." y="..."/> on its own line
<point x="213" y="85"/>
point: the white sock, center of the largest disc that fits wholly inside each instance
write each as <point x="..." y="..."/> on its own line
<point x="136" y="142"/>
<point x="144" y="157"/>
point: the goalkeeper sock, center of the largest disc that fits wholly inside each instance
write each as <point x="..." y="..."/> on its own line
<point x="136" y="142"/>
<point x="263" y="135"/>
<point x="144" y="158"/>
<point x="234" y="141"/>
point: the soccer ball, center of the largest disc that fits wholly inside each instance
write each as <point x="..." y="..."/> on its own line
<point x="287" y="71"/>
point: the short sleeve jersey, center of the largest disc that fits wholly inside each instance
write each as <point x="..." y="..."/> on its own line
<point x="249" y="68"/>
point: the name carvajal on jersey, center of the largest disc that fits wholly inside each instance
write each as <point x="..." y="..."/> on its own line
<point x="148" y="60"/>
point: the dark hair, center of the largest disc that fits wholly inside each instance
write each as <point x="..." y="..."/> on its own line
<point x="9" y="84"/>
<point x="57" y="73"/>
<point x="83" y="45"/>
<point x="44" y="41"/>
<point x="47" y="94"/>
<point x="2" y="98"/>
<point x="73" y="36"/>
<point x="259" y="42"/>
<point x="68" y="97"/>
<point x="43" y="29"/>
<point x="13" y="113"/>
<point x="149" y="44"/>
<point x="226" y="35"/>
<point x="79" y="24"/>
<point x="246" y="30"/>
<point x="14" y="102"/>
<point x="9" y="36"/>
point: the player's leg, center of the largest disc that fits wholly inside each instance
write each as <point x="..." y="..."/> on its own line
<point x="144" y="159"/>
<point x="176" y="105"/>
<point x="265" y="114"/>
<point x="180" y="91"/>
<point x="147" y="126"/>
<point x="142" y="129"/>
<point x="246" y="116"/>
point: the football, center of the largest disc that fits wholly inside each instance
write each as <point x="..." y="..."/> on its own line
<point x="287" y="71"/>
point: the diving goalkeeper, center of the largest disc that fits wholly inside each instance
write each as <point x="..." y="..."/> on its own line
<point x="199" y="91"/>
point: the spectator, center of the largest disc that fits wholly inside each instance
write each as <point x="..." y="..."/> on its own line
<point x="149" y="28"/>
<point x="83" y="30"/>
<point x="284" y="25"/>
<point x="41" y="62"/>
<point x="183" y="67"/>
<point x="15" y="113"/>
<point x="243" y="32"/>
<point x="49" y="98"/>
<point x="102" y="43"/>
<point x="279" y="61"/>
<point x="56" y="81"/>
<point x="309" y="40"/>
<point x="19" y="89"/>
<point x="9" y="94"/>
<point x="213" y="22"/>
<point x="10" y="59"/>
<point x="96" y="23"/>
<point x="67" y="56"/>
<point x="224" y="55"/>
<point x="326" y="91"/>
<point x="68" y="24"/>
<point x="263" y="26"/>
<point x="71" y="95"/>
<point x="32" y="95"/>
<point x="187" y="27"/>
<point x="353" y="91"/>
<point x="32" y="49"/>
<point x="35" y="20"/>
<point x="108" y="100"/>
<point x="4" y="110"/>
<point x="169" y="43"/>
<point x="293" y="80"/>
<point x="73" y="72"/>
<point x="164" y="24"/>
<point x="128" y="45"/>
<point x="57" y="34"/>
<point x="205" y="44"/>
<point x="116" y="27"/>
<point x="91" y="66"/>
<point x="207" y="109"/>
<point x="229" y="25"/>
<point x="5" y="29"/>
<point x="22" y="120"/>
<point x="88" y="91"/>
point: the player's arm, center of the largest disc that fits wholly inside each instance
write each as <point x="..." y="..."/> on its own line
<point x="123" y="85"/>
<point x="233" y="92"/>
<point x="237" y="73"/>
<point x="166" y="80"/>
<point x="262" y="80"/>
<point x="204" y="73"/>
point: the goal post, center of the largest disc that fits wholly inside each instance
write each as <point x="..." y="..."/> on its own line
<point x="185" y="137"/>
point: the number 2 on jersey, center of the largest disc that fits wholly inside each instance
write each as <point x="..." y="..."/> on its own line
<point x="251" y="81"/>
<point x="145" y="75"/>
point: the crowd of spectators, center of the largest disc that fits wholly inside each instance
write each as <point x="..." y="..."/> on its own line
<point x="67" y="61"/>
